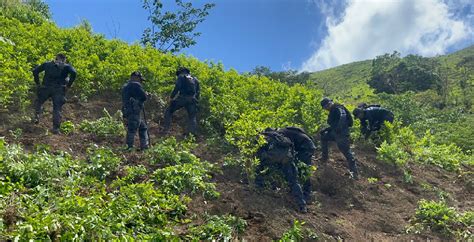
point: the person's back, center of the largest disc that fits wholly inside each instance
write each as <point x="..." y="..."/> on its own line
<point x="378" y="114"/>
<point x="299" y="137"/>
<point x="189" y="92"/>
<point x="133" y="97"/>
<point x="278" y="148"/>
<point x="188" y="86"/>
<point x="339" y="118"/>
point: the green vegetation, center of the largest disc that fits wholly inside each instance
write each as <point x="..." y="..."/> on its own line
<point x="105" y="127"/>
<point x="67" y="127"/>
<point x="173" y="31"/>
<point x="298" y="233"/>
<point x="47" y="194"/>
<point x="219" y="228"/>
<point x="438" y="217"/>
<point x="402" y="146"/>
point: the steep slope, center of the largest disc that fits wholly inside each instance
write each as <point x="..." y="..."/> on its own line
<point x="344" y="209"/>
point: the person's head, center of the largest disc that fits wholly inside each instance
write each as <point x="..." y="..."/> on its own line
<point x="327" y="103"/>
<point x="182" y="71"/>
<point x="358" y="113"/>
<point x="60" y="58"/>
<point x="136" y="76"/>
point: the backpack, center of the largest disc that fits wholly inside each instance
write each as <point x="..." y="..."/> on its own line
<point x="279" y="149"/>
<point x="189" y="85"/>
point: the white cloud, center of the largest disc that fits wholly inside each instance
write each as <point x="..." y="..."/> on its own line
<point x="371" y="28"/>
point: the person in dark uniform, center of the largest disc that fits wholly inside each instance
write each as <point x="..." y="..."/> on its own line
<point x="133" y="98"/>
<point x="282" y="151"/>
<point x="304" y="149"/>
<point x="339" y="120"/>
<point x="58" y="77"/>
<point x="187" y="93"/>
<point x="372" y="118"/>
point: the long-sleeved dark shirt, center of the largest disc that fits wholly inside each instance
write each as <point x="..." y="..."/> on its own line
<point x="186" y="86"/>
<point x="374" y="118"/>
<point x="55" y="74"/>
<point x="339" y="118"/>
<point x="132" y="90"/>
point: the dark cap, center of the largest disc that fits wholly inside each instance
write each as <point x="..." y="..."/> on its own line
<point x="325" y="101"/>
<point x="137" y="74"/>
<point x="182" y="70"/>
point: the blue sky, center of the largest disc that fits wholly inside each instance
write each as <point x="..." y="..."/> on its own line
<point x="299" y="34"/>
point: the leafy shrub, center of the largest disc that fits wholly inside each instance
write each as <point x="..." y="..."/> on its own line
<point x="53" y="197"/>
<point x="32" y="169"/>
<point x="101" y="162"/>
<point x="67" y="127"/>
<point x="171" y="152"/>
<point x="105" y="127"/>
<point x="219" y="228"/>
<point x="402" y="146"/>
<point x="438" y="217"/>
<point x="189" y="178"/>
<point x="305" y="171"/>
<point x="295" y="233"/>
<point x="16" y="134"/>
<point x="298" y="233"/>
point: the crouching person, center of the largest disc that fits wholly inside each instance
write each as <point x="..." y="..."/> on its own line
<point x="279" y="153"/>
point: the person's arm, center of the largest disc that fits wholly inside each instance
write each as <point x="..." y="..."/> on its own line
<point x="363" y="128"/>
<point x="177" y="87"/>
<point x="198" y="90"/>
<point x="72" y="76"/>
<point x="334" y="117"/>
<point x="37" y="71"/>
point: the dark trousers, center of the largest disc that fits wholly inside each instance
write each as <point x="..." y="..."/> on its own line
<point x="58" y="95"/>
<point x="136" y="123"/>
<point x="190" y="103"/>
<point x="343" y="142"/>
<point x="290" y="171"/>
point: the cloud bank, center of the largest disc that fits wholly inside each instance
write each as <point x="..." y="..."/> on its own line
<point x="366" y="29"/>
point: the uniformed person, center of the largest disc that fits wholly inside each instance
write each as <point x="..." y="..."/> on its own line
<point x="58" y="77"/>
<point x="339" y="120"/>
<point x="185" y="94"/>
<point x="133" y="98"/>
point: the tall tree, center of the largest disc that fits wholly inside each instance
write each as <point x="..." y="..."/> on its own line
<point x="173" y="31"/>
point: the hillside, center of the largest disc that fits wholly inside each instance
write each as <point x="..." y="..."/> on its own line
<point x="350" y="80"/>
<point x="415" y="184"/>
<point x="345" y="209"/>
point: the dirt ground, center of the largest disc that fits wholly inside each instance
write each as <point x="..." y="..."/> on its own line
<point x="343" y="208"/>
